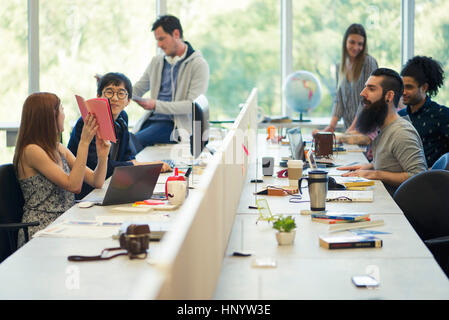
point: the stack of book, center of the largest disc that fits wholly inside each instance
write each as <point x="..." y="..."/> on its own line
<point x="355" y="183"/>
<point x="337" y="217"/>
<point x="346" y="221"/>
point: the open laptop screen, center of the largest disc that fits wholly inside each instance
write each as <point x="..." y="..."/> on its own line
<point x="129" y="184"/>
<point x="296" y="143"/>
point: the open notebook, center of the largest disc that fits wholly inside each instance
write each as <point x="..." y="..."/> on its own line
<point x="349" y="196"/>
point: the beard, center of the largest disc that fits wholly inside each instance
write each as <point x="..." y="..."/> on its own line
<point x="372" y="115"/>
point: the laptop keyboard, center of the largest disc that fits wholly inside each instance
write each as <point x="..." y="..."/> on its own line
<point x="171" y="163"/>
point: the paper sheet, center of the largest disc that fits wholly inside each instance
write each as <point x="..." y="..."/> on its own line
<point x="89" y="231"/>
<point x="120" y="218"/>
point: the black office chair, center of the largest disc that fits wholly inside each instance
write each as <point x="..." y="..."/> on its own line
<point x="442" y="162"/>
<point x="11" y="211"/>
<point x="200" y="126"/>
<point x="424" y="199"/>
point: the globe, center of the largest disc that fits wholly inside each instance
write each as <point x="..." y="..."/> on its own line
<point x="302" y="91"/>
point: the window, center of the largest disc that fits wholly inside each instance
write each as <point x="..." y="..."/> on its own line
<point x="430" y="19"/>
<point x="318" y="30"/>
<point x="79" y="39"/>
<point x="14" y="70"/>
<point x="241" y="42"/>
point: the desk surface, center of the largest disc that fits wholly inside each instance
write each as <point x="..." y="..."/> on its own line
<point x="405" y="267"/>
<point x="40" y="269"/>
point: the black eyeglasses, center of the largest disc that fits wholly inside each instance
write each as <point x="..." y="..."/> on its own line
<point x="121" y="94"/>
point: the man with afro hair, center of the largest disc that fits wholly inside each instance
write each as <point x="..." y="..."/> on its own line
<point x="422" y="77"/>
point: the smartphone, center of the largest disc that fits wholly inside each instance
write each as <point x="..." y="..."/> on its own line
<point x="365" y="281"/>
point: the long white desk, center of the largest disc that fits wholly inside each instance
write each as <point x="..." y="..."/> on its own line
<point x="405" y="267"/>
<point x="40" y="269"/>
<point x="185" y="264"/>
<point x="193" y="260"/>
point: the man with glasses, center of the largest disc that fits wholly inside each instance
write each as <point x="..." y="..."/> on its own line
<point x="117" y="88"/>
<point x="175" y="79"/>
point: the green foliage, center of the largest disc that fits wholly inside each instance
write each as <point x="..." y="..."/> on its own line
<point x="284" y="224"/>
<point x="239" y="39"/>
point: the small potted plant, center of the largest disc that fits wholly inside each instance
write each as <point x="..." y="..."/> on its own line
<point x="286" y="230"/>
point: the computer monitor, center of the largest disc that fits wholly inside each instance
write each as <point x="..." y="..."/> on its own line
<point x="296" y="143"/>
<point x="200" y="126"/>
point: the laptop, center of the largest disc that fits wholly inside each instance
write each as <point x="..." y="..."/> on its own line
<point x="296" y="143"/>
<point x="129" y="184"/>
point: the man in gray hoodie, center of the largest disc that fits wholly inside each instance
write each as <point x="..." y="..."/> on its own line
<point x="175" y="79"/>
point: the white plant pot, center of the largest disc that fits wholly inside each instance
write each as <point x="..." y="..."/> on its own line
<point x="285" y="238"/>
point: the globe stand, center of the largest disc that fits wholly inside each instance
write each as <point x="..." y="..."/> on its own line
<point x="303" y="120"/>
<point x="302" y="92"/>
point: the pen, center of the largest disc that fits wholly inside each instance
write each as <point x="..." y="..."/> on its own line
<point x="82" y="222"/>
<point x="189" y="170"/>
<point x="111" y="223"/>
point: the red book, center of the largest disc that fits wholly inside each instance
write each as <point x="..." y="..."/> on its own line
<point x="100" y="108"/>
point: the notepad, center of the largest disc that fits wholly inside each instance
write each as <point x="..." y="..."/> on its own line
<point x="349" y="196"/>
<point x="78" y="230"/>
<point x="356" y="225"/>
<point x="354" y="181"/>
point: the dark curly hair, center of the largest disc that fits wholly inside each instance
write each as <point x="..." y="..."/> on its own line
<point x="425" y="70"/>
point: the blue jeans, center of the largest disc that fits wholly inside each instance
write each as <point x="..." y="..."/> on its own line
<point x="155" y="132"/>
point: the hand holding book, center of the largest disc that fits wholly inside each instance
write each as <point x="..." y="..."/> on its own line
<point x="90" y="128"/>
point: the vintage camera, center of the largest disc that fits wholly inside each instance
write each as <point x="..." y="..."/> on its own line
<point x="135" y="240"/>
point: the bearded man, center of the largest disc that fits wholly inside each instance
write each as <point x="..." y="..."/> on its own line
<point x="397" y="149"/>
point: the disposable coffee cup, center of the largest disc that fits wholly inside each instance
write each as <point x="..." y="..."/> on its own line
<point x="267" y="166"/>
<point x="176" y="191"/>
<point x="294" y="168"/>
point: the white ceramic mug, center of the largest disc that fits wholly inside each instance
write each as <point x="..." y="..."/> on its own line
<point x="176" y="191"/>
<point x="267" y="166"/>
